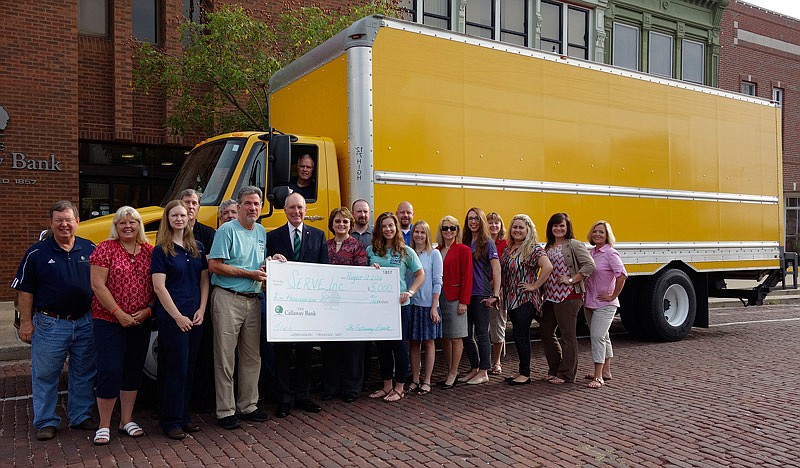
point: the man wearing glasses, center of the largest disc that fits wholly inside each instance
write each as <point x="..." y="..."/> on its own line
<point x="54" y="293"/>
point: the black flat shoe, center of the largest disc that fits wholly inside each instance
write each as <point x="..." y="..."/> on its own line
<point x="524" y="382"/>
<point x="509" y="379"/>
<point x="448" y="387"/>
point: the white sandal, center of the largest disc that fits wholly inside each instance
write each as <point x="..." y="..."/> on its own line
<point x="132" y="429"/>
<point x="102" y="436"/>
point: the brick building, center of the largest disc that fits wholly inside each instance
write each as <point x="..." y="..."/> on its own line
<point x="761" y="56"/>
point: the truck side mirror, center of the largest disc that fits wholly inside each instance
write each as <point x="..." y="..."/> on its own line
<point x="279" y="195"/>
<point x="280" y="159"/>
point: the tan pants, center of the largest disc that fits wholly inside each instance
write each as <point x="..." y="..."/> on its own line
<point x="237" y="324"/>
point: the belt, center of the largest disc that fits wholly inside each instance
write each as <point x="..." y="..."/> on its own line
<point x="237" y="293"/>
<point x="54" y="315"/>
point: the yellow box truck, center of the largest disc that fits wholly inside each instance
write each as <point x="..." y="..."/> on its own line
<point x="689" y="176"/>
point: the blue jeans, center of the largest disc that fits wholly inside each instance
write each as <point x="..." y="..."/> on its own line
<point x="54" y="339"/>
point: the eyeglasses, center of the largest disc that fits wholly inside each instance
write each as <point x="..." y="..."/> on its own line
<point x="63" y="220"/>
<point x="449" y="228"/>
<point x="473" y="218"/>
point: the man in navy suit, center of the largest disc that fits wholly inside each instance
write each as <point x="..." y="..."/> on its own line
<point x="299" y="243"/>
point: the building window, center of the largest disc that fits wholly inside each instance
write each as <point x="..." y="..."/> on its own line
<point x="93" y="17"/>
<point x="748" y="88"/>
<point x="113" y="175"/>
<point x="436" y="13"/>
<point x="514" y="21"/>
<point x="195" y="10"/>
<point x="693" y="59"/>
<point x="145" y="20"/>
<point x="480" y="18"/>
<point x="660" y="54"/>
<point x="578" y="32"/>
<point x="552" y="22"/>
<point x="792" y="223"/>
<point x="572" y="29"/>
<point x="625" y="48"/>
<point x="777" y="96"/>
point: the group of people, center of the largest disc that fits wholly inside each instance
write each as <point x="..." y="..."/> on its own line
<point x="458" y="284"/>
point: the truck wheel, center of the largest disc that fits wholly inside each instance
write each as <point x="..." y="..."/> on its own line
<point x="669" y="306"/>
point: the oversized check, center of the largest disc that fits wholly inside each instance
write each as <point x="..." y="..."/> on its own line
<point x="312" y="302"/>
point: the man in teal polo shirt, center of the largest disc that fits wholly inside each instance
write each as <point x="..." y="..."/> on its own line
<point x="236" y="262"/>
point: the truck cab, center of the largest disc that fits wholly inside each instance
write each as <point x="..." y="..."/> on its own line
<point x="220" y="166"/>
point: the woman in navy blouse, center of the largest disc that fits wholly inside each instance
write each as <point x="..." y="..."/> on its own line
<point x="180" y="280"/>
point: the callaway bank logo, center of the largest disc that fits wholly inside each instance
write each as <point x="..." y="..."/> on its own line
<point x="279" y="310"/>
<point x="3" y="119"/>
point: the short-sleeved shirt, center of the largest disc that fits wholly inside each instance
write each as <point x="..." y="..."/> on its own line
<point x="364" y="237"/>
<point x="60" y="281"/>
<point x="352" y="252"/>
<point x="516" y="270"/>
<point x="392" y="259"/>
<point x="608" y="267"/>
<point x="129" y="278"/>
<point x="554" y="290"/>
<point x="182" y="276"/>
<point x="482" y="270"/>
<point x="240" y="248"/>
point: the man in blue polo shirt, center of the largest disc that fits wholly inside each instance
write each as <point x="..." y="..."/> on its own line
<point x="54" y="292"/>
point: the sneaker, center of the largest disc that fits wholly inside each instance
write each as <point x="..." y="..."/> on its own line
<point x="256" y="415"/>
<point x="229" y="422"/>
<point x="46" y="433"/>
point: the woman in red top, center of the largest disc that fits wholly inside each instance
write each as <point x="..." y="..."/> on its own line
<point x="456" y="294"/>
<point x="499" y="316"/>
<point x="123" y="292"/>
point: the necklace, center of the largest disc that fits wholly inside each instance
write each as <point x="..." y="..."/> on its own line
<point x="132" y="255"/>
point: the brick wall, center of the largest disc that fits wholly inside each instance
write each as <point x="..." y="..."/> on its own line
<point x="38" y="66"/>
<point x="744" y="57"/>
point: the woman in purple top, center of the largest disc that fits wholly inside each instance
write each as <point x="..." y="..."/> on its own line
<point x="343" y="361"/>
<point x="485" y="295"/>
<point x="601" y="302"/>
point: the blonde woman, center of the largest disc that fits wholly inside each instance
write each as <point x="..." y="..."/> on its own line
<point x="456" y="294"/>
<point x="426" y="323"/>
<point x="525" y="268"/>
<point x="123" y="292"/>
<point x="601" y="302"/>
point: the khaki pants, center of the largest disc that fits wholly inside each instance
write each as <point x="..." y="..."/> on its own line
<point x="237" y="324"/>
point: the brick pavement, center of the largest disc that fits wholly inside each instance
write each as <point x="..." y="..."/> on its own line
<point x="725" y="396"/>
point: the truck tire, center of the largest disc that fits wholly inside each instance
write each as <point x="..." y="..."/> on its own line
<point x="668" y="306"/>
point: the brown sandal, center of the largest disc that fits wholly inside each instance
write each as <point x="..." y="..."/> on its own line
<point x="393" y="396"/>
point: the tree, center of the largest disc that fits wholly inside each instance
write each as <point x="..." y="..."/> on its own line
<point x="220" y="80"/>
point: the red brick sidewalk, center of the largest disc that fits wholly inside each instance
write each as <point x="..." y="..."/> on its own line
<point x="726" y="396"/>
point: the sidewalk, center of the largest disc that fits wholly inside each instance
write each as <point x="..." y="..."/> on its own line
<point x="11" y="347"/>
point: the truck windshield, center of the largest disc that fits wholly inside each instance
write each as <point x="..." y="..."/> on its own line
<point x="208" y="169"/>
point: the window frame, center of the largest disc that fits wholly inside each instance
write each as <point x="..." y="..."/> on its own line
<point x="106" y="22"/>
<point x="637" y="43"/>
<point x="746" y="85"/>
<point x="650" y="54"/>
<point x="158" y="15"/>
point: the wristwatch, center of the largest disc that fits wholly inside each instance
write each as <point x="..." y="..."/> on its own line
<point x="570" y="280"/>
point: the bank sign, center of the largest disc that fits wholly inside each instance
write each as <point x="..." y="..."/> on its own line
<point x="21" y="161"/>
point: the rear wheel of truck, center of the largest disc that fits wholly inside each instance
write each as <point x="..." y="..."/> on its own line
<point x="668" y="306"/>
